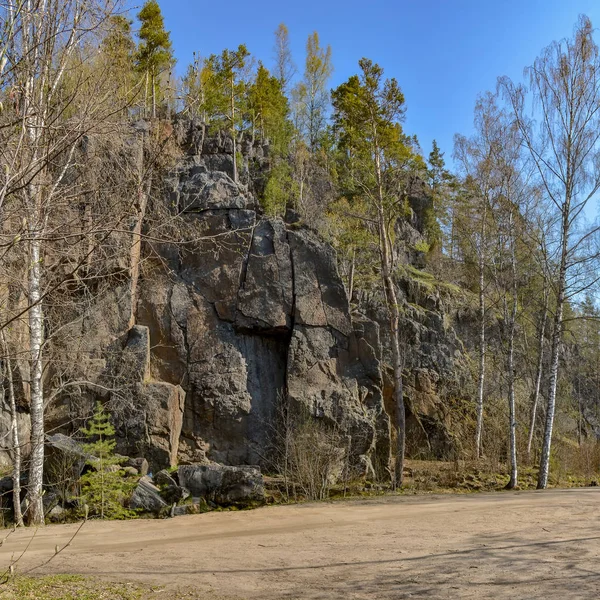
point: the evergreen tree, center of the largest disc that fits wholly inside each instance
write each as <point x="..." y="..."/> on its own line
<point x="103" y="488"/>
<point x="268" y="110"/>
<point x="118" y="51"/>
<point x="154" y="52"/>
<point x="375" y="160"/>
<point x="441" y="182"/>
<point x="226" y="92"/>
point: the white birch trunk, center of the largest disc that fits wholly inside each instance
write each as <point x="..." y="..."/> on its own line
<point x="482" y="341"/>
<point x="35" y="510"/>
<point x="538" y="375"/>
<point x="555" y="352"/>
<point x="15" y="441"/>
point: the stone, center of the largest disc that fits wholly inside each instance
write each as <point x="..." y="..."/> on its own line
<point x="265" y="297"/>
<point x="56" y="514"/>
<point x="137" y="352"/>
<point x="66" y="444"/>
<point x="224" y="485"/>
<point x="164" y="478"/>
<point x="154" y="424"/>
<point x="131" y="471"/>
<point x="139" y="464"/>
<point x="251" y="312"/>
<point x="146" y="497"/>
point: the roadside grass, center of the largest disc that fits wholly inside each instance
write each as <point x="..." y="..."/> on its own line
<point x="78" y="587"/>
<point x="69" y="587"/>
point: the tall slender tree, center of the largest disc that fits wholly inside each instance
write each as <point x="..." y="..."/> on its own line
<point x="564" y="145"/>
<point x="375" y="164"/>
<point x="227" y="92"/>
<point x="284" y="68"/>
<point x="154" y="54"/>
<point x="311" y="96"/>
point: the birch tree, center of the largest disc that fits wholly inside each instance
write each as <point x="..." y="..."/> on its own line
<point x="310" y="97"/>
<point x="60" y="98"/>
<point x="475" y="157"/>
<point x="284" y="68"/>
<point x="562" y="136"/>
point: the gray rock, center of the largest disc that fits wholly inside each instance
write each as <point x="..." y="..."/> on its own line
<point x="139" y="464"/>
<point x="224" y="485"/>
<point x="137" y="352"/>
<point x="66" y="444"/>
<point x="146" y="497"/>
<point x="164" y="478"/>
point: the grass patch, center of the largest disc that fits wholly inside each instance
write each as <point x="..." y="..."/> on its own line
<point x="429" y="282"/>
<point x="78" y="587"/>
<point x="69" y="587"/>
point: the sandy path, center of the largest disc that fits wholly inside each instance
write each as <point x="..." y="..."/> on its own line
<point x="509" y="545"/>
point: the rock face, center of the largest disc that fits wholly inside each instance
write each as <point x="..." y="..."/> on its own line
<point x="247" y="320"/>
<point x="250" y="317"/>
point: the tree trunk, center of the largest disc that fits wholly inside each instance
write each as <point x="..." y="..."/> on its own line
<point x="146" y="94"/>
<point x="555" y="352"/>
<point x="482" y="348"/>
<point x="14" y="429"/>
<point x="153" y="94"/>
<point x="135" y="252"/>
<point x="513" y="481"/>
<point x="394" y="316"/>
<point x="351" y="276"/>
<point x="35" y="509"/>
<point x="235" y="173"/>
<point x="538" y="375"/>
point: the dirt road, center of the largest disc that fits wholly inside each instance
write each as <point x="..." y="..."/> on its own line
<point x="509" y="545"/>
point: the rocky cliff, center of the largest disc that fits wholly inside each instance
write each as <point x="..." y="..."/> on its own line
<point x="250" y="315"/>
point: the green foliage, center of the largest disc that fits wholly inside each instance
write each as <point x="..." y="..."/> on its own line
<point x="118" y="45"/>
<point x="103" y="488"/>
<point x="375" y="160"/>
<point x="443" y="187"/>
<point x="268" y="110"/>
<point x="117" y="52"/>
<point x="279" y="190"/>
<point x="422" y="246"/>
<point x="154" y="52"/>
<point x="225" y="88"/>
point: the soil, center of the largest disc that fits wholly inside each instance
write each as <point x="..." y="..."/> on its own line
<point x="500" y="545"/>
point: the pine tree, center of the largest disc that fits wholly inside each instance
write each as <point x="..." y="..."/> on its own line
<point x="226" y="91"/>
<point x="154" y="52"/>
<point x="268" y="110"/>
<point x="118" y="52"/>
<point x="376" y="158"/>
<point x="103" y="488"/>
<point x="441" y="182"/>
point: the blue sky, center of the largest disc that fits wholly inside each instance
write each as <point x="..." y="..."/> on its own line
<point x="442" y="52"/>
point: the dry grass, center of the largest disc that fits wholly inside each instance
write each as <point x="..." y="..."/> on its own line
<point x="76" y="587"/>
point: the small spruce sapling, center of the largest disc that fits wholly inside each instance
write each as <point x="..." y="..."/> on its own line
<point x="104" y="488"/>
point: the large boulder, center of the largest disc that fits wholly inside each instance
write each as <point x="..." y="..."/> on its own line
<point x="224" y="485"/>
<point x="146" y="497"/>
